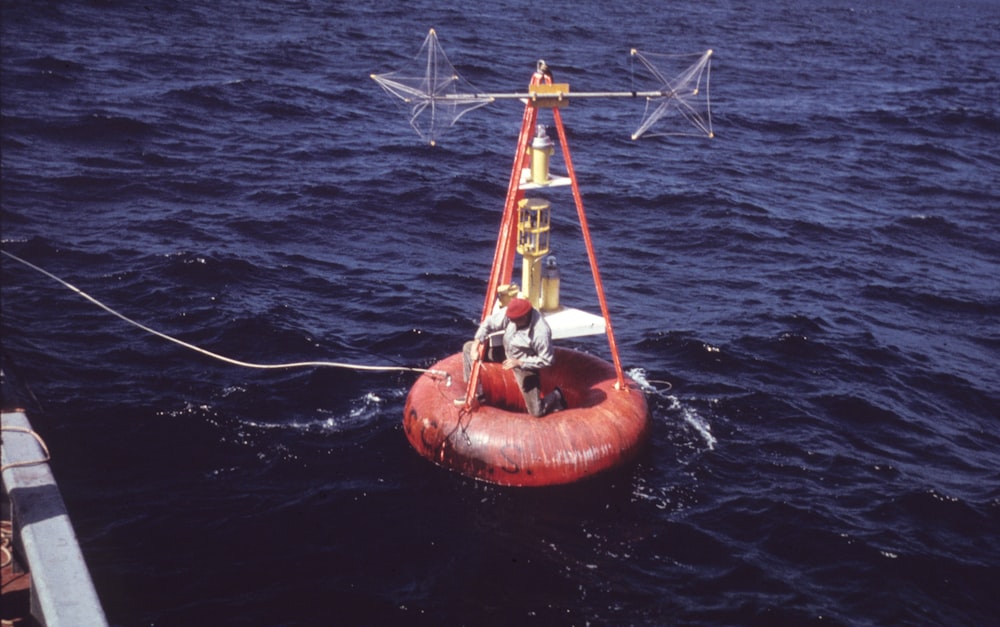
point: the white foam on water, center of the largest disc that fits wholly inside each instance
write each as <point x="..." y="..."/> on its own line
<point x="688" y="414"/>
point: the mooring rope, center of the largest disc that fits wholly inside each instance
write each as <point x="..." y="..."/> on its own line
<point x="38" y="438"/>
<point x="223" y="358"/>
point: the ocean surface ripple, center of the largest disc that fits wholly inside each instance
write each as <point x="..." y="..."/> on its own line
<point x="811" y="299"/>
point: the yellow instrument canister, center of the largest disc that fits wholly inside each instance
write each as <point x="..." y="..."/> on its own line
<point x="550" y="284"/>
<point x="541" y="150"/>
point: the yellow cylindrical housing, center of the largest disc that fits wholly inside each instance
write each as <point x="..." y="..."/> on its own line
<point x="549" y="298"/>
<point x="541" y="151"/>
<point x="530" y="278"/>
<point x="533" y="225"/>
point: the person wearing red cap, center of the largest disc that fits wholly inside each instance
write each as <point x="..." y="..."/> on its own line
<point x="527" y="348"/>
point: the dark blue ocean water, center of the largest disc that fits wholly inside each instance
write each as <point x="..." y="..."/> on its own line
<point x="819" y="283"/>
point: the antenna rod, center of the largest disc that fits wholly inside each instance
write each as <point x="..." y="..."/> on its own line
<point x="548" y="96"/>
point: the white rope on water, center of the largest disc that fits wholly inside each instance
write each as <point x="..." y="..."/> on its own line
<point x="223" y="358"/>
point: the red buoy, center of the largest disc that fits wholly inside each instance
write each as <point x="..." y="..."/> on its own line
<point x="499" y="442"/>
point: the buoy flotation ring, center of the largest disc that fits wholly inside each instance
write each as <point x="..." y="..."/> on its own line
<point x="602" y="428"/>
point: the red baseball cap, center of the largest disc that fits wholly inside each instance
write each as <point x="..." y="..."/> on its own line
<point x="518" y="307"/>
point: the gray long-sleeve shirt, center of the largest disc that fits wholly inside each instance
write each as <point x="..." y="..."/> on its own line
<point x="532" y="345"/>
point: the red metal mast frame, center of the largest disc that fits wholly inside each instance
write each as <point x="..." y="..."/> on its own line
<point x="504" y="255"/>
